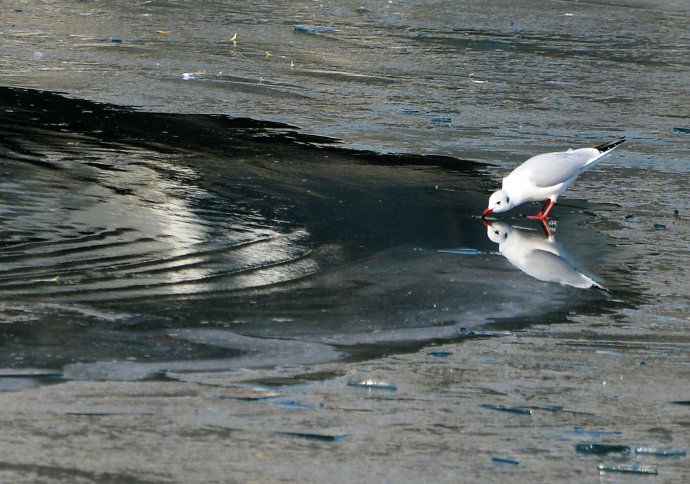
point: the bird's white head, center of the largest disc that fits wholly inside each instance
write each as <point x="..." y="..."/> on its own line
<point x="498" y="202"/>
<point x="498" y="232"/>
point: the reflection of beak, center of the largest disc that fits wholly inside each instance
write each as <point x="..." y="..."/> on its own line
<point x="486" y="222"/>
<point x="487" y="212"/>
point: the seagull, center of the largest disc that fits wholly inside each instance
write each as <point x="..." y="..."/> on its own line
<point x="540" y="257"/>
<point x="546" y="176"/>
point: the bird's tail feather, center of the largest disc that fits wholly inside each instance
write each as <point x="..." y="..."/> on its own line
<point x="604" y="150"/>
<point x="605" y="147"/>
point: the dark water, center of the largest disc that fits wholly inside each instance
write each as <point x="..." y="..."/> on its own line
<point x="160" y="242"/>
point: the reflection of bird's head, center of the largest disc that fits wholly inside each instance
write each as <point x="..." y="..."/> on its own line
<point x="498" y="232"/>
<point x="498" y="202"/>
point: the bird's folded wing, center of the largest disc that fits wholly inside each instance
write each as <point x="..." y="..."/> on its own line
<point x="551" y="169"/>
<point x="546" y="266"/>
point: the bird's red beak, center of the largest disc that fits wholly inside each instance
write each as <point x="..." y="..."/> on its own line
<point x="487" y="223"/>
<point x="487" y="212"/>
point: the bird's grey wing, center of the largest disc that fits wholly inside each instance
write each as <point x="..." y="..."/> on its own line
<point x="551" y="169"/>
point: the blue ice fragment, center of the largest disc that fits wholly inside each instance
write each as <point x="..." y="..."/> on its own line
<point x="660" y="452"/>
<point x="407" y="111"/>
<point x="312" y="29"/>
<point x="115" y="39"/>
<point x="633" y="469"/>
<point x="463" y="251"/>
<point x="680" y="129"/>
<point x="504" y="460"/>
<point x="313" y="436"/>
<point x="298" y="405"/>
<point x="502" y="408"/>
<point x="373" y="384"/>
<point x="111" y="414"/>
<point x="439" y="354"/>
<point x="441" y="121"/>
<point x="659" y="226"/>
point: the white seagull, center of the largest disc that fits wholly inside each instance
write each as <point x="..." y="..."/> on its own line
<point x="540" y="257"/>
<point x="546" y="176"/>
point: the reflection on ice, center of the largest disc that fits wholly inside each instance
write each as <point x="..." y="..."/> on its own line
<point x="241" y="351"/>
<point x="539" y="256"/>
<point x="164" y="242"/>
<point x="133" y="226"/>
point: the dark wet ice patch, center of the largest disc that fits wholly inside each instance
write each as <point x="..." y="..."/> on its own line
<point x="139" y="243"/>
<point x="216" y="350"/>
<point x="313" y="29"/>
<point x="439" y="354"/>
<point x="601" y="449"/>
<point x="23" y="379"/>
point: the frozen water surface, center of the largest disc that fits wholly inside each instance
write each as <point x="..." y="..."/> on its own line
<point x="207" y="210"/>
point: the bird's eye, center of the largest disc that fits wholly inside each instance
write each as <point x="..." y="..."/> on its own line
<point x="498" y="203"/>
<point x="496" y="232"/>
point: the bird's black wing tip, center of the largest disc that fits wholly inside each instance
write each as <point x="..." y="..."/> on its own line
<point x="603" y="148"/>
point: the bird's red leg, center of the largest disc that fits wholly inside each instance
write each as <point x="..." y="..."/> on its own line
<point x="546" y="214"/>
<point x="541" y="215"/>
<point x="546" y="228"/>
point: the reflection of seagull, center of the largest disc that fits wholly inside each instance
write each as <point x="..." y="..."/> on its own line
<point x="545" y="176"/>
<point x="537" y="256"/>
